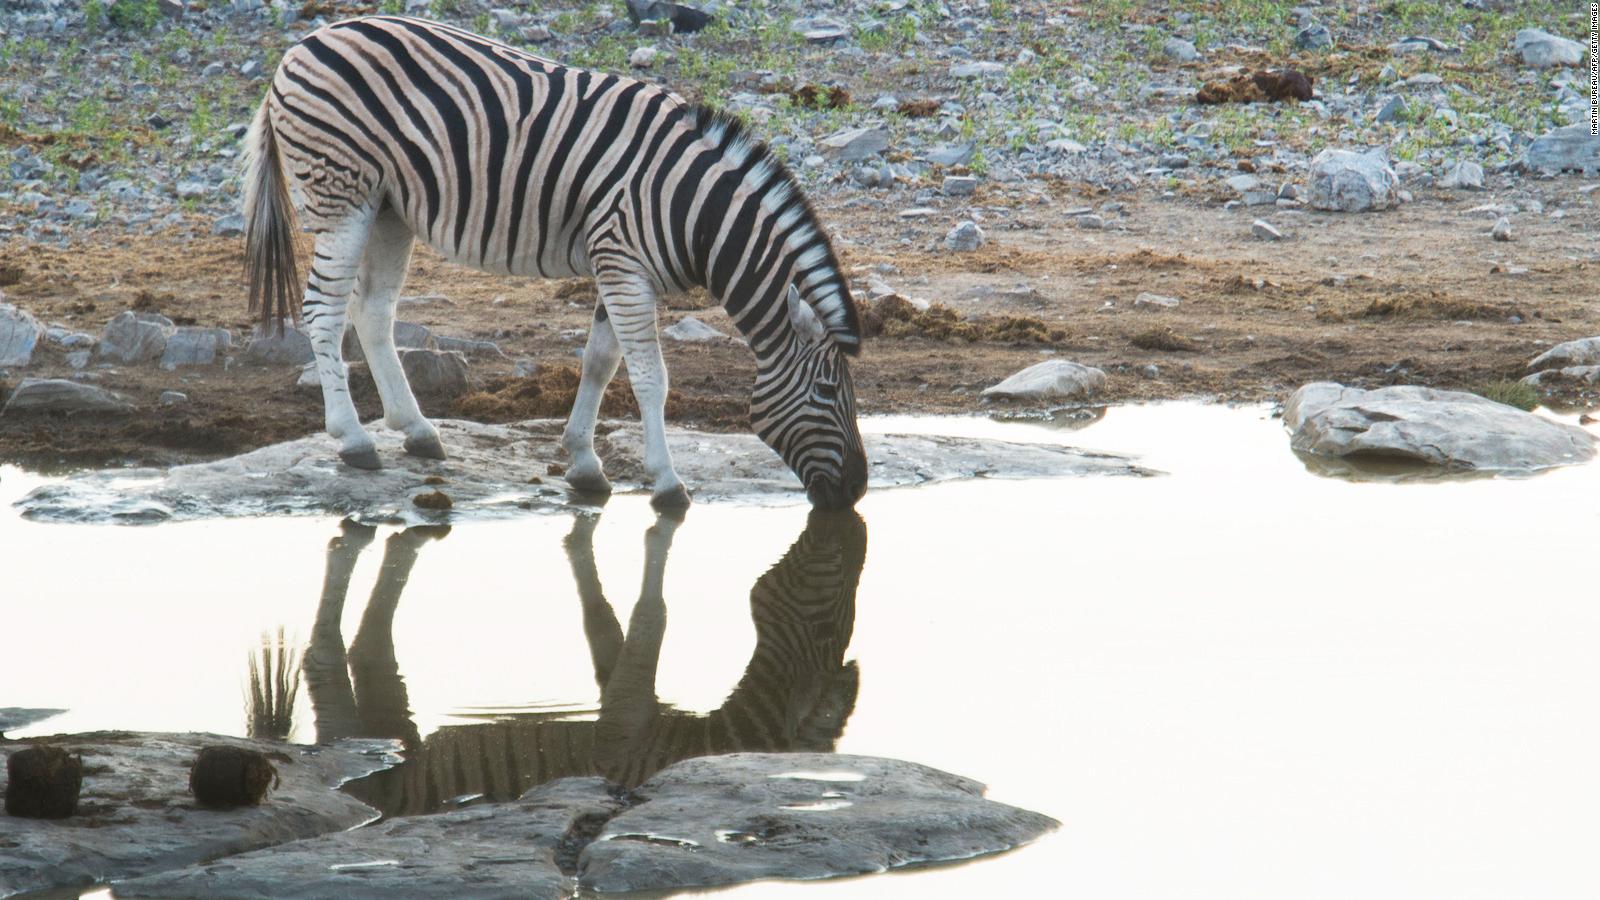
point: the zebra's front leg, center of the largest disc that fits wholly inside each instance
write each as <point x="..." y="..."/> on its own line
<point x="630" y="304"/>
<point x="601" y="356"/>
<point x="334" y="272"/>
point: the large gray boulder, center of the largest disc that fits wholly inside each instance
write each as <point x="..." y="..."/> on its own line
<point x="60" y="395"/>
<point x="709" y="821"/>
<point x="19" y="334"/>
<point x="1051" y="380"/>
<point x="489" y="469"/>
<point x="435" y="373"/>
<point x="1568" y="149"/>
<point x="1451" y="429"/>
<point x="135" y="337"/>
<point x="1346" y="181"/>
<point x="192" y="345"/>
<point x="1543" y="50"/>
<point x="268" y="347"/>
<point x="136" y="816"/>
<point x="1581" y="352"/>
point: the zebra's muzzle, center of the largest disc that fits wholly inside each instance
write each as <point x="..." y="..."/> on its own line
<point x="841" y="493"/>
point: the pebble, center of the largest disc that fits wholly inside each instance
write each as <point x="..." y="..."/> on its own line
<point x="173" y="398"/>
<point x="1314" y="37"/>
<point x="1148" y="300"/>
<point x="1264" y="230"/>
<point x="1091" y="222"/>
<point x="1180" y="49"/>
<point x="1502" y="230"/>
<point x="959" y="185"/>
<point x="643" y="58"/>
<point x="965" y="237"/>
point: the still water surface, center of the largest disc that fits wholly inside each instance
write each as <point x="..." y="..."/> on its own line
<point x="1237" y="680"/>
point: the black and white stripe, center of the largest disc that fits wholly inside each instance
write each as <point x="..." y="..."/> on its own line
<point x="380" y="128"/>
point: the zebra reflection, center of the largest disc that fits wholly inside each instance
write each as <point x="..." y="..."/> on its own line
<point x="796" y="694"/>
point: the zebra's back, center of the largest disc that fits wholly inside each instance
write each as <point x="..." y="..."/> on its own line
<point x="496" y="158"/>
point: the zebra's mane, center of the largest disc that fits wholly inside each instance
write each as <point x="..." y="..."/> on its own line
<point x="827" y="292"/>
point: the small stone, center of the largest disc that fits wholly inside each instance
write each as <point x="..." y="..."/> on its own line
<point x="1502" y="230"/>
<point x="691" y="330"/>
<point x="643" y="58"/>
<point x="250" y="69"/>
<point x="435" y="373"/>
<point x="268" y="347"/>
<point x="1392" y="109"/>
<point x="1180" y="49"/>
<point x="231" y="225"/>
<point x="433" y="500"/>
<point x="189" y="188"/>
<point x="959" y="185"/>
<point x="196" y="346"/>
<point x="965" y="237"/>
<point x="977" y="69"/>
<point x="1314" y="37"/>
<point x="1053" y="379"/>
<point x="1464" y="175"/>
<point x="1263" y="229"/>
<point x="1148" y="300"/>
<point x="951" y="154"/>
<point x="19" y="334"/>
<point x="135" y="337"/>
<point x="1244" y="183"/>
<point x="1090" y="221"/>
<point x="172" y="398"/>
<point x="1173" y="161"/>
<point x="855" y="144"/>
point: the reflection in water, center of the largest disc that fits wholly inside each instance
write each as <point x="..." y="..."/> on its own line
<point x="796" y="694"/>
<point x="274" y="682"/>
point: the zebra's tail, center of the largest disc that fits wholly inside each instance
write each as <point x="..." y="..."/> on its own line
<point x="270" y="261"/>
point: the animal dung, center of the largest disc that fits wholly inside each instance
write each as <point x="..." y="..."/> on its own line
<point x="1265" y="86"/>
<point x="437" y="500"/>
<point x="43" y="783"/>
<point x="225" y="777"/>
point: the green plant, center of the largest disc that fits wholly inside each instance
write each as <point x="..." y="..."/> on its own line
<point x="1511" y="393"/>
<point x="135" y="15"/>
<point x="94" y="15"/>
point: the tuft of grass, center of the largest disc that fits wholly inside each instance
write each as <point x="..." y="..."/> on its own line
<point x="1164" y="339"/>
<point x="1512" y="393"/>
<point x="134" y="15"/>
<point x="274" y="683"/>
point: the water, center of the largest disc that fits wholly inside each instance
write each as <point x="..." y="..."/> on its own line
<point x="1238" y="680"/>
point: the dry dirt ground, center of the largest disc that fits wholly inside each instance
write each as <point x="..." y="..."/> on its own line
<point x="1420" y="294"/>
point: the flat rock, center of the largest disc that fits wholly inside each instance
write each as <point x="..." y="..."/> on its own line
<point x="1465" y="176"/>
<point x="1053" y="379"/>
<point x="1571" y="148"/>
<point x="192" y="345"/>
<point x="855" y="144"/>
<point x="1450" y="429"/>
<point x="489" y="468"/>
<point x="63" y="395"/>
<point x="135" y="814"/>
<point x="269" y="348"/>
<point x="135" y="337"/>
<point x="1566" y="376"/>
<point x="708" y="821"/>
<point x="435" y="373"/>
<point x="19" y="334"/>
<point x="1581" y="352"/>
<point x="1346" y="181"/>
<point x="691" y="330"/>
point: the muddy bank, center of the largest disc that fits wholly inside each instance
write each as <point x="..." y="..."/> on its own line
<point x="135" y="814"/>
<point x="497" y="470"/>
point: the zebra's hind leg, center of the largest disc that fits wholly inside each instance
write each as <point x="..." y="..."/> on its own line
<point x="630" y="304"/>
<point x="383" y="271"/>
<point x="334" y="272"/>
<point x="601" y="356"/>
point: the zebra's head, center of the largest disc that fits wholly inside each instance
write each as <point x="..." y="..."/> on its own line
<point x="804" y="407"/>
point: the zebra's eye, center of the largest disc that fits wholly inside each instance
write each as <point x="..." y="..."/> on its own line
<point x="825" y="391"/>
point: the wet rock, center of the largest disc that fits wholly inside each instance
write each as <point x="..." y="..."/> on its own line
<point x="60" y="395"/>
<point x="709" y="821"/>
<point x="1450" y="429"/>
<point x="691" y="330"/>
<point x="855" y="144"/>
<point x="192" y="345"/>
<point x="489" y="468"/>
<point x="14" y="718"/>
<point x="1543" y="50"/>
<point x="1568" y="149"/>
<point x="19" y="334"/>
<point x="1465" y="176"/>
<point x="267" y="347"/>
<point x="1582" y="352"/>
<point x="435" y="373"/>
<point x="1053" y="379"/>
<point x="1346" y="181"/>
<point x="135" y="337"/>
<point x="134" y="816"/>
<point x="965" y="237"/>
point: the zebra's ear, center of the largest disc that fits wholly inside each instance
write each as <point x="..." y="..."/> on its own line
<point x="804" y="318"/>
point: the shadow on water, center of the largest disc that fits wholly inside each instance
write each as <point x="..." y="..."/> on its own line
<point x="796" y="694"/>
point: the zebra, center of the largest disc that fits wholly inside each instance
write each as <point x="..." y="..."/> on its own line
<point x="385" y="129"/>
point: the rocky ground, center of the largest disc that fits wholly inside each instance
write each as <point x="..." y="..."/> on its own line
<point x="1007" y="182"/>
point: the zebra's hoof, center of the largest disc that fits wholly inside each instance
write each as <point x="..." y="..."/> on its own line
<point x="427" y="447"/>
<point x="676" y="497"/>
<point x="594" y="482"/>
<point x="361" y="459"/>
